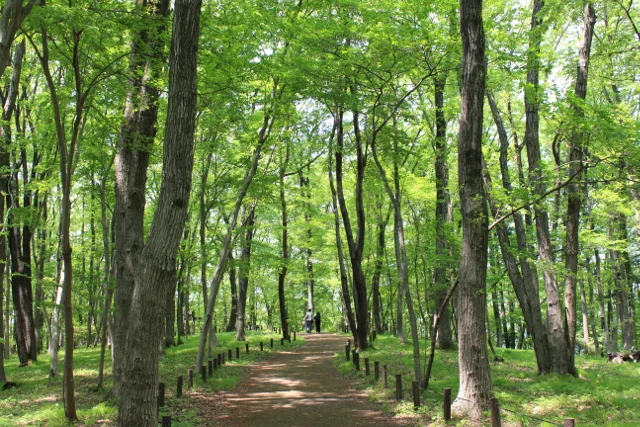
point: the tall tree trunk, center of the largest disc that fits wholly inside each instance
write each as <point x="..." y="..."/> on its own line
<point x="284" y="243"/>
<point x="574" y="198"/>
<point x="157" y="264"/>
<point x="243" y="280"/>
<point x="443" y="218"/>
<point x="475" y="379"/>
<point x="136" y="137"/>
<point x="377" y="272"/>
<point x="233" y="282"/>
<point x="14" y="13"/>
<point x="5" y="140"/>
<point x="558" y="345"/>
<point x="344" y="280"/>
<point x="306" y="194"/>
<point x="519" y="270"/>
<point x="355" y="244"/>
<point x="107" y="277"/>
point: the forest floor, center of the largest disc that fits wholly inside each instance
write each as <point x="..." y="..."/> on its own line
<point x="301" y="387"/>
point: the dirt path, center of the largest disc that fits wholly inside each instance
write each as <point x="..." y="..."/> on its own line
<point x="300" y="388"/>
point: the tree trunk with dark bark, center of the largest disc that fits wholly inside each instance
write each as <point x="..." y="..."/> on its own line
<point x="243" y="280"/>
<point x="475" y="379"/>
<point x="156" y="270"/>
<point x="577" y="143"/>
<point x="136" y="137"/>
<point x="443" y="218"/>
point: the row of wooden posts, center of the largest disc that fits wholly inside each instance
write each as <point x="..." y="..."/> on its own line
<point x="353" y="355"/>
<point x="207" y="371"/>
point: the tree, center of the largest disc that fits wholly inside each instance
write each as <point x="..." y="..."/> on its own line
<point x="157" y="263"/>
<point x="475" y="380"/>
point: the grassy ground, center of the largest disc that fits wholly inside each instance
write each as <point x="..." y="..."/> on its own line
<point x="604" y="394"/>
<point x="38" y="401"/>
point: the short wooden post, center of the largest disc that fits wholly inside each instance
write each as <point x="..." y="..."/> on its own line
<point x="246" y="346"/>
<point x="398" y="387"/>
<point x="356" y="360"/>
<point x="346" y="352"/>
<point x="160" y="395"/>
<point x="190" y="378"/>
<point x="281" y="341"/>
<point x="230" y="354"/>
<point x="219" y="360"/>
<point x="416" y="394"/>
<point x="166" y="421"/>
<point x="289" y="338"/>
<point x="376" y="370"/>
<point x="294" y="335"/>
<point x="447" y="404"/>
<point x="237" y="352"/>
<point x="261" y="346"/>
<point x="569" y="422"/>
<point x="384" y="376"/>
<point x="203" y="371"/>
<point x="272" y="343"/>
<point x="179" y="387"/>
<point x="210" y="367"/>
<point x="215" y="363"/>
<point x="495" y="413"/>
<point x="367" y="372"/>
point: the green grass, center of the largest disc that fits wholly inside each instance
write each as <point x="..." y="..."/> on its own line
<point x="38" y="401"/>
<point x="604" y="394"/>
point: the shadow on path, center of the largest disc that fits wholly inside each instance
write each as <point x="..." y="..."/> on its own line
<point x="301" y="388"/>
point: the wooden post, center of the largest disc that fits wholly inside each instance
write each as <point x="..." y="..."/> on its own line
<point x="223" y="358"/>
<point x="289" y="338"/>
<point x="376" y="370"/>
<point x="569" y="422"/>
<point x="366" y="366"/>
<point x="495" y="413"/>
<point x="384" y="376"/>
<point x="398" y="387"/>
<point x="166" y="421"/>
<point x="347" y="351"/>
<point x="246" y="346"/>
<point x="261" y="346"/>
<point x="447" y="404"/>
<point x="356" y="360"/>
<point x="190" y="378"/>
<point x="237" y="352"/>
<point x="210" y="367"/>
<point x="179" y="387"/>
<point x="160" y="395"/>
<point x="281" y="341"/>
<point x="215" y="363"/>
<point x="230" y="354"/>
<point x="416" y="394"/>
<point x="219" y="360"/>
<point x="294" y="335"/>
<point x="272" y="343"/>
<point x="203" y="371"/>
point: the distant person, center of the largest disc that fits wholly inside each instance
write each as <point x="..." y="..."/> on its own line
<point x="308" y="320"/>
<point x="317" y="320"/>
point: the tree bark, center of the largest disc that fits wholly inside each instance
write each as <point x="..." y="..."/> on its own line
<point x="558" y="345"/>
<point x="136" y="137"/>
<point x="284" y="243"/>
<point x="574" y="197"/>
<point x="344" y="280"/>
<point x="475" y="380"/>
<point x="245" y="268"/>
<point x="14" y="13"/>
<point x="443" y="218"/>
<point x="233" y="283"/>
<point x="156" y="272"/>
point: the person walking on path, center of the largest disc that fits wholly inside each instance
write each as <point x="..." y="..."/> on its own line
<point x="308" y="320"/>
<point x="317" y="320"/>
